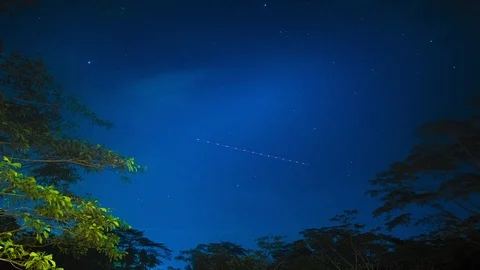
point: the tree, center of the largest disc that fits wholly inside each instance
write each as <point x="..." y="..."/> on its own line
<point x="442" y="173"/>
<point x="275" y="253"/>
<point x="223" y="255"/>
<point x="346" y="245"/>
<point x="142" y="253"/>
<point x="339" y="247"/>
<point x="34" y="131"/>
<point x="49" y="218"/>
<point x="37" y="208"/>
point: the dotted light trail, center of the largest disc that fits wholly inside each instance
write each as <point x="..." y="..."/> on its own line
<point x="253" y="152"/>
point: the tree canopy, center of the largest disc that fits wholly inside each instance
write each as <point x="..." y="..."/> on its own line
<point x="40" y="158"/>
<point x="38" y="215"/>
<point x="35" y="132"/>
<point x="442" y="173"/>
<point x="346" y="245"/>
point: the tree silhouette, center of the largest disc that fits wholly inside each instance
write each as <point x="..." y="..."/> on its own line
<point x="442" y="173"/>
<point x="142" y="253"/>
<point x="222" y="255"/>
<point x="35" y="132"/>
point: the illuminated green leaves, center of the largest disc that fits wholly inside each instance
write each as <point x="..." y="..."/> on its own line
<point x="34" y="133"/>
<point x="33" y="125"/>
<point x="41" y="261"/>
<point x="52" y="218"/>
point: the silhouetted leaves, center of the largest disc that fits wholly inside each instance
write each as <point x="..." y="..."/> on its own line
<point x="35" y="131"/>
<point x="143" y="253"/>
<point x="222" y="255"/>
<point x="442" y="172"/>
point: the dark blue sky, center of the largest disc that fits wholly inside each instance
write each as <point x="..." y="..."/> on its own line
<point x="340" y="85"/>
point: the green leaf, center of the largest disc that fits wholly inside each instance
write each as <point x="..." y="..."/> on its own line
<point x="17" y="165"/>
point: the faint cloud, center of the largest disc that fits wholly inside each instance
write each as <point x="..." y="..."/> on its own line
<point x="170" y="83"/>
<point x="169" y="87"/>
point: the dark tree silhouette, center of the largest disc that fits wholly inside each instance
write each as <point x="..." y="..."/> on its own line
<point x="142" y="253"/>
<point x="442" y="173"/>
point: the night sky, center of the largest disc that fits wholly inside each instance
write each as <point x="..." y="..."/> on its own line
<point x="337" y="85"/>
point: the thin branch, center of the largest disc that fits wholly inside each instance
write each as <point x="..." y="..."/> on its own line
<point x="13" y="263"/>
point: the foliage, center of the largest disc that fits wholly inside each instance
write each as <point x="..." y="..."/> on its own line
<point x="344" y="246"/>
<point x="213" y="256"/>
<point x="347" y="245"/>
<point x="442" y="173"/>
<point x="38" y="211"/>
<point x="33" y="130"/>
<point x="50" y="218"/>
<point x="142" y="253"/>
